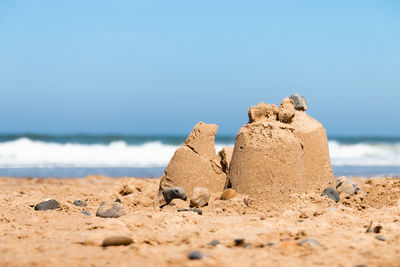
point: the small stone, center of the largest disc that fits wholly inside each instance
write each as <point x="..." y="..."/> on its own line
<point x="228" y="194"/>
<point x="270" y="244"/>
<point x="239" y="241"/>
<point x="47" y="205"/>
<point x="247" y="245"/>
<point x="125" y="190"/>
<point x="356" y="189"/>
<point x="118" y="200"/>
<point x="80" y="203"/>
<point x="377" y="229"/>
<point x="113" y="210"/>
<point x="346" y="188"/>
<point x="195" y="255"/>
<point x="331" y="193"/>
<point x="299" y="102"/>
<point x="214" y="243"/>
<point x="380" y="237"/>
<point x="192" y="209"/>
<point x="200" y="197"/>
<point x="173" y="193"/>
<point x="117" y="241"/>
<point x="87" y="213"/>
<point x="311" y="242"/>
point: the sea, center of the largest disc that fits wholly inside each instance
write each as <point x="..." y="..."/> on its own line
<point x="63" y="156"/>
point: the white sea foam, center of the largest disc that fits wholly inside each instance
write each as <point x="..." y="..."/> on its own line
<point x="365" y="154"/>
<point x="26" y="153"/>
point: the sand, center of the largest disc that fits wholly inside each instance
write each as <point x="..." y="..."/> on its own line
<point x="67" y="237"/>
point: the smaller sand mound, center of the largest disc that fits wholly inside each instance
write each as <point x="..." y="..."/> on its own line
<point x="195" y="163"/>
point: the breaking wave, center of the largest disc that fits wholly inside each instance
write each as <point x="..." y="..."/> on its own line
<point x="28" y="153"/>
<point x="365" y="154"/>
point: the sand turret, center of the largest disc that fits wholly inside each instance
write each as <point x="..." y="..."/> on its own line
<point x="280" y="151"/>
<point x="195" y="163"/>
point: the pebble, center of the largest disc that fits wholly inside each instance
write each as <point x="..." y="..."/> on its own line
<point x="270" y="244"/>
<point x="380" y="237"/>
<point x="192" y="209"/>
<point x="299" y="102"/>
<point x="214" y="243"/>
<point x="47" y="205"/>
<point x="195" y="255"/>
<point x="312" y="242"/>
<point x="239" y="241"/>
<point x="87" y="213"/>
<point x="228" y="194"/>
<point x="247" y="245"/>
<point x="377" y="229"/>
<point x="173" y="193"/>
<point x="80" y="203"/>
<point x="117" y="241"/>
<point x="331" y="193"/>
<point x="113" y="210"/>
<point x="343" y="180"/>
<point x="200" y="197"/>
<point x="347" y="188"/>
<point x="356" y="189"/>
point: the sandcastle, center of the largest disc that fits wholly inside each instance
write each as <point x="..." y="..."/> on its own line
<point x="196" y="164"/>
<point x="281" y="151"/>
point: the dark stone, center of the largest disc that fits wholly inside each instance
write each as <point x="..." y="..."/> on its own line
<point x="239" y="241"/>
<point x="80" y="203"/>
<point x="331" y="193"/>
<point x="192" y="209"/>
<point x="47" y="205"/>
<point x="380" y="237"/>
<point x="270" y="244"/>
<point x="195" y="255"/>
<point x="117" y="241"/>
<point x="311" y="242"/>
<point x="87" y="213"/>
<point x="113" y="210"/>
<point x="299" y="102"/>
<point x="173" y="193"/>
<point x="214" y="243"/>
<point x="118" y="200"/>
<point x="247" y="245"/>
<point x="377" y="229"/>
<point x="356" y="189"/>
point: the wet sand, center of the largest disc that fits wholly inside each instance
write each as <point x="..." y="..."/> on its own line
<point x="272" y="231"/>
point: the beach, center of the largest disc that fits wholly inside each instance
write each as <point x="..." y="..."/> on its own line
<point x="308" y="230"/>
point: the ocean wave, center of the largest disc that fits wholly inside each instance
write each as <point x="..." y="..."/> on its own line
<point x="364" y="154"/>
<point x="27" y="153"/>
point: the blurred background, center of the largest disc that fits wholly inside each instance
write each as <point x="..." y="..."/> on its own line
<point x="114" y="87"/>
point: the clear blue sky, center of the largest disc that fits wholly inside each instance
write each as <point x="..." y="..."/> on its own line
<point x="161" y="66"/>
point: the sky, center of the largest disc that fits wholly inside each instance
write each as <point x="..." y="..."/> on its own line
<point x="159" y="67"/>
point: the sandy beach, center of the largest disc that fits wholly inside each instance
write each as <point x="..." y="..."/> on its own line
<point x="273" y="233"/>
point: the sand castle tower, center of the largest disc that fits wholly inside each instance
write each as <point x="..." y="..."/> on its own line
<point x="196" y="164"/>
<point x="280" y="151"/>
